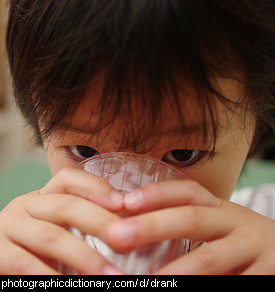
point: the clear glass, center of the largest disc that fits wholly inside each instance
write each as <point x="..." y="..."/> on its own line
<point x="126" y="172"/>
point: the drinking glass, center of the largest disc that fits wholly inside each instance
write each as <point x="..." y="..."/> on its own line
<point x="126" y="172"/>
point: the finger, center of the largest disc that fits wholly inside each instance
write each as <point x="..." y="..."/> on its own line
<point x="80" y="183"/>
<point x="263" y="265"/>
<point x="52" y="241"/>
<point x="216" y="258"/>
<point x="14" y="260"/>
<point x="169" y="194"/>
<point x="192" y="222"/>
<point x="70" y="211"/>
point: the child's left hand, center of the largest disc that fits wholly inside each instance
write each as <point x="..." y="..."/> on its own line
<point x="239" y="241"/>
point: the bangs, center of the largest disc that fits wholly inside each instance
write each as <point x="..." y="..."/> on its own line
<point x="147" y="53"/>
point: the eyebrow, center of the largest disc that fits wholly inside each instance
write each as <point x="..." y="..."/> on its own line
<point x="195" y="133"/>
<point x="195" y="129"/>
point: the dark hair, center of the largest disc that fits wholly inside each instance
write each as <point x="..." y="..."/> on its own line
<point x="57" y="48"/>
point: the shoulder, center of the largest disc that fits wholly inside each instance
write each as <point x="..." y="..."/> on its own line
<point x="260" y="199"/>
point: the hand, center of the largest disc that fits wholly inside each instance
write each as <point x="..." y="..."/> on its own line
<point x="239" y="241"/>
<point x="33" y="235"/>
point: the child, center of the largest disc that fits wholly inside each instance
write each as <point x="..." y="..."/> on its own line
<point x="190" y="83"/>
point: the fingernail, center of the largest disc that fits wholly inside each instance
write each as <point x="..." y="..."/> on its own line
<point x="133" y="199"/>
<point x="117" y="198"/>
<point x="111" y="270"/>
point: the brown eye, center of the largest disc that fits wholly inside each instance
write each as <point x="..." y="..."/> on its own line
<point x="181" y="156"/>
<point x="83" y="152"/>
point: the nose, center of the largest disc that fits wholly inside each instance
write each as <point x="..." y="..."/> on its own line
<point x="152" y="153"/>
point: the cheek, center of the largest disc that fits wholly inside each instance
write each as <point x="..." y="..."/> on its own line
<point x="220" y="175"/>
<point x="219" y="182"/>
<point x="57" y="160"/>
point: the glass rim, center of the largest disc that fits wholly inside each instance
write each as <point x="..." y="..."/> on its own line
<point x="129" y="154"/>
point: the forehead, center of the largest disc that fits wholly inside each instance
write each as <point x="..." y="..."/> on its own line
<point x="133" y="122"/>
<point x="187" y="103"/>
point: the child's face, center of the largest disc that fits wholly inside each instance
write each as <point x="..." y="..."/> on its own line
<point x="218" y="174"/>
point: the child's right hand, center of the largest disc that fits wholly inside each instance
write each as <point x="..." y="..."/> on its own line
<point x="33" y="235"/>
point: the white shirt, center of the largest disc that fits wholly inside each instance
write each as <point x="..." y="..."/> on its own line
<point x="260" y="199"/>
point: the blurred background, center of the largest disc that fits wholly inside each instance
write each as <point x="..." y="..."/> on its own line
<point x="23" y="166"/>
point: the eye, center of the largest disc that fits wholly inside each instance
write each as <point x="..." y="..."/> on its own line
<point x="82" y="152"/>
<point x="181" y="156"/>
